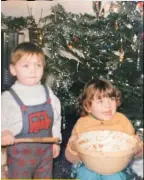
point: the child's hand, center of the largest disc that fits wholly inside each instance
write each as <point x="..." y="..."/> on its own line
<point x="72" y="140"/>
<point x="71" y="153"/>
<point x="7" y="138"/>
<point x="139" y="151"/>
<point x="56" y="150"/>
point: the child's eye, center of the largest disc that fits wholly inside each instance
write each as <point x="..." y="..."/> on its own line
<point x="39" y="65"/>
<point x="99" y="101"/>
<point x="25" y="65"/>
<point x="112" y="98"/>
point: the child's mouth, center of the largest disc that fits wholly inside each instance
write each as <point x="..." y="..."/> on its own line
<point x="108" y="113"/>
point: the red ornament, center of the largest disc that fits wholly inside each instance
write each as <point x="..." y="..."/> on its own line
<point x="75" y="39"/>
<point x="140" y="4"/>
<point x="140" y="8"/>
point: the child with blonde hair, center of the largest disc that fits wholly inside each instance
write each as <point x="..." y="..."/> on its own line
<point x="29" y="110"/>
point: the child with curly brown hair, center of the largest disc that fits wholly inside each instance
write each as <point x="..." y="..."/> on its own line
<point x="98" y="108"/>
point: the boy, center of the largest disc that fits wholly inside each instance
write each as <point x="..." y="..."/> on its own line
<point x="29" y="109"/>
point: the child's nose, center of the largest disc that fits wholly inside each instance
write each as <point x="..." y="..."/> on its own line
<point x="33" y="69"/>
<point x="107" y="103"/>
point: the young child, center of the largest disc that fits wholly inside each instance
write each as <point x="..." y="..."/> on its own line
<point x="29" y="110"/>
<point x="98" y="104"/>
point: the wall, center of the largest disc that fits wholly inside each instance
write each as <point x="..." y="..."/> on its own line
<point x="12" y="8"/>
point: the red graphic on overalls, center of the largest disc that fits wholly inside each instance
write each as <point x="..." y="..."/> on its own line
<point x="32" y="161"/>
<point x="38" y="121"/>
<point x="44" y="151"/>
<point x="14" y="151"/>
<point x="10" y="160"/>
<point x="48" y="159"/>
<point x="21" y="162"/>
<point x="41" y="151"/>
<point x="26" y="151"/>
<point x="50" y="168"/>
<point x="25" y="173"/>
<point x="38" y="151"/>
<point x="41" y="169"/>
<point x="16" y="174"/>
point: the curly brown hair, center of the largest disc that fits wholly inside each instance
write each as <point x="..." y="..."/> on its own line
<point x="96" y="88"/>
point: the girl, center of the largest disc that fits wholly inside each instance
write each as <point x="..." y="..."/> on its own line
<point x="98" y="104"/>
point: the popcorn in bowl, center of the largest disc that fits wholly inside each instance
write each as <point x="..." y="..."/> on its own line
<point x="106" y="141"/>
<point x="106" y="152"/>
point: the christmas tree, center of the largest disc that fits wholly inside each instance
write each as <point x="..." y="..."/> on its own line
<point x="80" y="47"/>
<point x="107" y="44"/>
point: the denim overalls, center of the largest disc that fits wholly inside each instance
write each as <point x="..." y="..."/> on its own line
<point x="32" y="160"/>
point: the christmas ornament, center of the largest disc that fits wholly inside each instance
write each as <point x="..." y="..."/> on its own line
<point x="121" y="54"/>
<point x="135" y="44"/>
<point x="37" y="36"/>
<point x="135" y="38"/>
<point x="138" y="123"/>
<point x="140" y="8"/>
<point x="138" y="60"/>
<point x="70" y="46"/>
<point x="75" y="39"/>
<point x="64" y="122"/>
<point x="116" y="25"/>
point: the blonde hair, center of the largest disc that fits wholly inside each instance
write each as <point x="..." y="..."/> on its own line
<point x="29" y="49"/>
<point x="96" y="88"/>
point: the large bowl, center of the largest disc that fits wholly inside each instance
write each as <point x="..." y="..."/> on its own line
<point x="106" y="152"/>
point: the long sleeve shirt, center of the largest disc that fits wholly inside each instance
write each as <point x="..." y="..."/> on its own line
<point x="11" y="116"/>
<point x="118" y="123"/>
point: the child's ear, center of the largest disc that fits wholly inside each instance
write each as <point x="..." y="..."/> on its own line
<point x="12" y="70"/>
<point x="87" y="109"/>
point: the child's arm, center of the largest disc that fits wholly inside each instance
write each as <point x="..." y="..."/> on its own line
<point x="56" y="129"/>
<point x="131" y="131"/>
<point x="10" y="116"/>
<point x="7" y="137"/>
<point x="70" y="153"/>
<point x="139" y="152"/>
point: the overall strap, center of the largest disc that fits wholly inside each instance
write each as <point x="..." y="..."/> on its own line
<point x="16" y="97"/>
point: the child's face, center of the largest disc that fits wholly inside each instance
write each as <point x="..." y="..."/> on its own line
<point x="104" y="108"/>
<point x="28" y="70"/>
